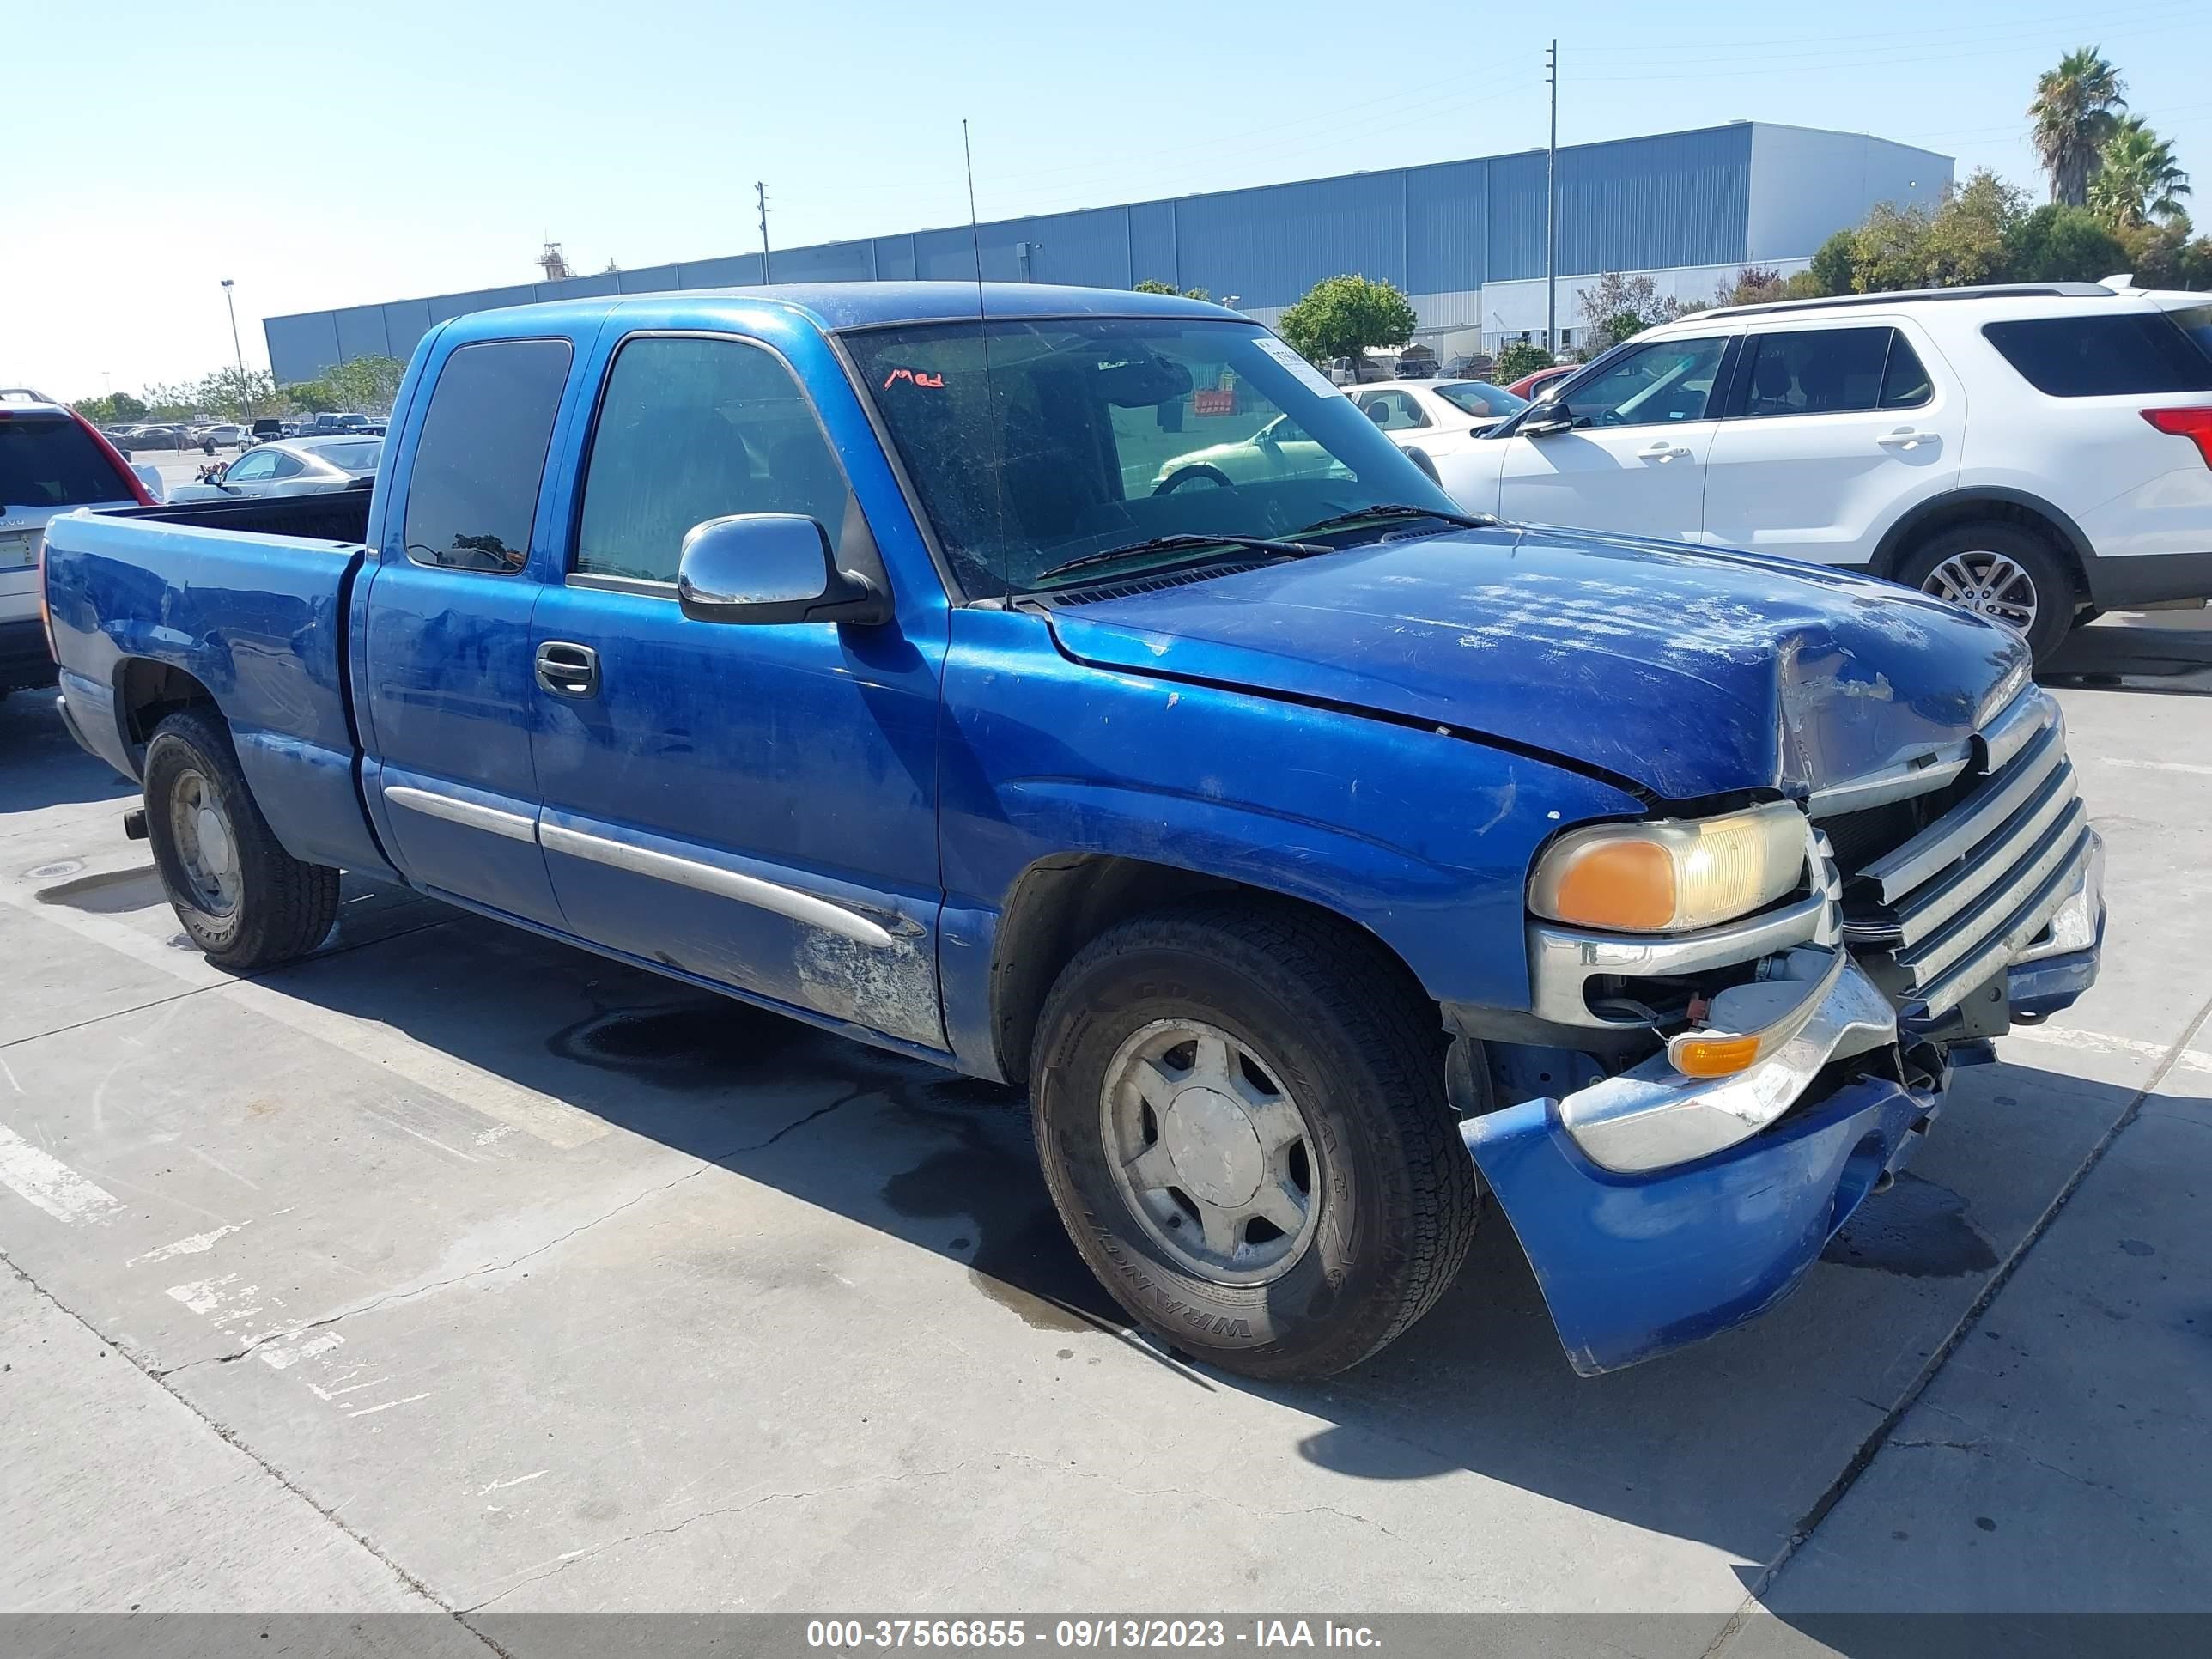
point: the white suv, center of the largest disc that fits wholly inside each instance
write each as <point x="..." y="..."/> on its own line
<point x="2036" y="454"/>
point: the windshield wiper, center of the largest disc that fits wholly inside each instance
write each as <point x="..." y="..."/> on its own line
<point x="1397" y="510"/>
<point x="1168" y="544"/>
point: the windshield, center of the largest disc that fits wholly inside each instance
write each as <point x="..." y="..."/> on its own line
<point x="1482" y="400"/>
<point x="1095" y="433"/>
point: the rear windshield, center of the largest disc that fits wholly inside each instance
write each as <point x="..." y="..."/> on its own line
<point x="359" y="457"/>
<point x="2123" y="354"/>
<point x="50" y="461"/>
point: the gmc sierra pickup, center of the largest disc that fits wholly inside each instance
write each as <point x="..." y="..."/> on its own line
<point x="1327" y="863"/>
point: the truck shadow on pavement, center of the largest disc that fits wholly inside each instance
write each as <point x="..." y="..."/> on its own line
<point x="2136" y="656"/>
<point x="40" y="765"/>
<point x="1734" y="1443"/>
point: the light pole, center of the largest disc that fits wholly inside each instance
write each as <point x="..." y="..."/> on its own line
<point x="236" y="349"/>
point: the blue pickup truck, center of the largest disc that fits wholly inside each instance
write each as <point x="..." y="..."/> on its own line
<point x="1327" y="864"/>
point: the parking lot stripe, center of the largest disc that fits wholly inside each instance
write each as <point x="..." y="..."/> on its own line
<point x="2097" y="1043"/>
<point x="39" y="1177"/>
<point x="2156" y="765"/>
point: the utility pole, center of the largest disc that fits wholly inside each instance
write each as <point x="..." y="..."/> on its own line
<point x="236" y="349"/>
<point x="1552" y="206"/>
<point x="760" y="191"/>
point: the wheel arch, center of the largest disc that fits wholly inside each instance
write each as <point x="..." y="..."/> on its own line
<point x="2006" y="506"/>
<point x="148" y="691"/>
<point x="1061" y="901"/>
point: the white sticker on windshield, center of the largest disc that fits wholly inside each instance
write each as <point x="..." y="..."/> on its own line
<point x="1311" y="377"/>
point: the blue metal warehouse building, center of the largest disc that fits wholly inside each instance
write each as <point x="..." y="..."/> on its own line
<point x="1465" y="239"/>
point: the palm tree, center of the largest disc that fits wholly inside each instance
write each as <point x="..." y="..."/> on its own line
<point x="2075" y="108"/>
<point x="2136" y="178"/>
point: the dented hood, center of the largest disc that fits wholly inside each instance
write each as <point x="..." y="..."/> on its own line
<point x="1687" y="671"/>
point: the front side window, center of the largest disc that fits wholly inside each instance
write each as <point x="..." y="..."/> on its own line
<point x="1668" y="381"/>
<point x="262" y="464"/>
<point x="692" y="429"/>
<point x="472" y="496"/>
<point x="2118" y="353"/>
<point x="1393" y="411"/>
<point x="1031" y="442"/>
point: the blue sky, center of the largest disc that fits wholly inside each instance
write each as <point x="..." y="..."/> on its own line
<point x="408" y="148"/>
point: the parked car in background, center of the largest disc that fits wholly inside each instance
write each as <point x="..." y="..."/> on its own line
<point x="2031" y="453"/>
<point x="291" y="466"/>
<point x="51" y="461"/>
<point x="1438" y="422"/>
<point x="267" y="428"/>
<point x="228" y="435"/>
<point x="1301" y="846"/>
<point x="1533" y="386"/>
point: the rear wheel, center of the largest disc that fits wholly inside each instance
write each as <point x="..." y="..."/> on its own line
<point x="243" y="899"/>
<point x="1241" y="1116"/>
<point x="2008" y="575"/>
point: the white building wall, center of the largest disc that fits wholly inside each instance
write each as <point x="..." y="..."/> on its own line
<point x="1806" y="185"/>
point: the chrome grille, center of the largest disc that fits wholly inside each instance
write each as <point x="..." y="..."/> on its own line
<point x="1951" y="905"/>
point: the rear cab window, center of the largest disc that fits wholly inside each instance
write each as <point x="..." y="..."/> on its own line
<point x="2117" y="354"/>
<point x="472" y="490"/>
<point x="48" y="463"/>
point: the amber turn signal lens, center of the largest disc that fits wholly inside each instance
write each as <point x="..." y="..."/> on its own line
<point x="1620" y="883"/>
<point x="1715" y="1056"/>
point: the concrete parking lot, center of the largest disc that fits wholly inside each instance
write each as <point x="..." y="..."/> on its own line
<point x="457" y="1272"/>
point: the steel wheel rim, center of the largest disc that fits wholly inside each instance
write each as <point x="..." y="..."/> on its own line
<point x="1210" y="1154"/>
<point x="1988" y="584"/>
<point x="207" y="851"/>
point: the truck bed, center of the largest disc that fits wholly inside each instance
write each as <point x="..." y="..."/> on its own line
<point x="244" y="602"/>
<point x="336" y="516"/>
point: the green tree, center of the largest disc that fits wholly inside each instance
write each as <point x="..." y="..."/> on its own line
<point x="2074" y="110"/>
<point x="310" y="397"/>
<point x="2137" y="179"/>
<point x="1889" y="249"/>
<point x="111" y="409"/>
<point x="1965" y="239"/>
<point x="1342" y="316"/>
<point x="236" y="396"/>
<point x="1153" y="285"/>
<point x="1519" y="359"/>
<point x="1834" y="267"/>
<point x="2058" y="244"/>
<point x="367" y="384"/>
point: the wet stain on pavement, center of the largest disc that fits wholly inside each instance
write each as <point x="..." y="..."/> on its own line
<point x="1916" y="1229"/>
<point x="1022" y="1258"/>
<point x="111" y="893"/>
<point x="703" y="1045"/>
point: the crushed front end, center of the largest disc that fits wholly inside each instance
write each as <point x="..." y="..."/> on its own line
<point x="1685" y="1114"/>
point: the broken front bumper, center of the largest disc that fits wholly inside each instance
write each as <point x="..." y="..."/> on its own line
<point x="1658" y="1209"/>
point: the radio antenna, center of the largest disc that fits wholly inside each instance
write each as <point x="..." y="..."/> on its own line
<point x="983" y="331"/>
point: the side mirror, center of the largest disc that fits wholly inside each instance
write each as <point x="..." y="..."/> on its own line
<point x="1546" y="416"/>
<point x="766" y="567"/>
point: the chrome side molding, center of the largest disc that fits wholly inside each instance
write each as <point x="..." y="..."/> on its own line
<point x="815" y="912"/>
<point x="515" y="826"/>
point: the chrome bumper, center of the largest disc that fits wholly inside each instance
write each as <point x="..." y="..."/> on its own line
<point x="1819" y="1006"/>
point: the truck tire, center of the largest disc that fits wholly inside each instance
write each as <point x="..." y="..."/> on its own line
<point x="1242" y="1118"/>
<point x="1999" y="571"/>
<point x="243" y="899"/>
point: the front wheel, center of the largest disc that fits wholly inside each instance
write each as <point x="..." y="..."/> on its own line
<point x="1241" y="1116"/>
<point x="2001" y="572"/>
<point x="243" y="899"/>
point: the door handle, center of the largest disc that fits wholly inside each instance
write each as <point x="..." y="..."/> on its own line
<point x="1904" y="438"/>
<point x="1664" y="450"/>
<point x="568" y="671"/>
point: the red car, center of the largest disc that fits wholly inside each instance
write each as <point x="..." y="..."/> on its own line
<point x="1532" y="386"/>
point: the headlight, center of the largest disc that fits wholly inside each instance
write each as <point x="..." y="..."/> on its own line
<point x="1672" y="875"/>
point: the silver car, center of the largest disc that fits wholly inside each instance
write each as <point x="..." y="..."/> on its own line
<point x="293" y="467"/>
